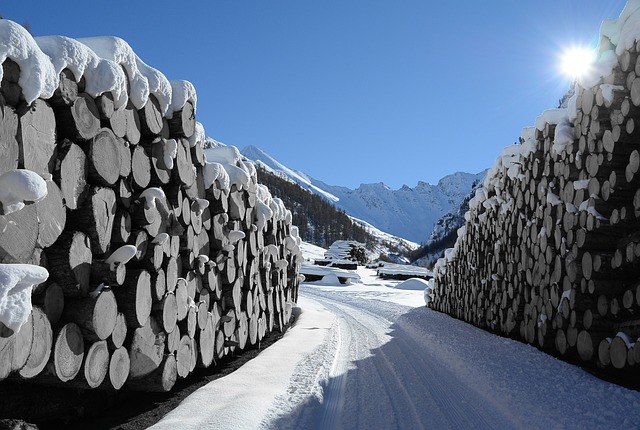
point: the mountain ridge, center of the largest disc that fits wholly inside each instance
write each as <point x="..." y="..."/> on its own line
<point x="407" y="212"/>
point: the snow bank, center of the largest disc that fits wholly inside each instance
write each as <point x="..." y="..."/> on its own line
<point x="243" y="398"/>
<point x="16" y="283"/>
<point x="413" y="284"/>
<point x="100" y="60"/>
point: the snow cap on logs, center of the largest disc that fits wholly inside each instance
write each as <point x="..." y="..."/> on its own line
<point x="150" y="195"/>
<point x="198" y="137"/>
<point x="101" y="75"/>
<point x="200" y="205"/>
<point x="161" y="238"/>
<point x="16" y="283"/>
<point x="38" y="77"/>
<point x="121" y="255"/>
<point x="19" y="186"/>
<point x="143" y="79"/>
<point x="98" y="60"/>
<point x="213" y="172"/>
<point x="235" y="236"/>
<point x="231" y="160"/>
<point x="170" y="152"/>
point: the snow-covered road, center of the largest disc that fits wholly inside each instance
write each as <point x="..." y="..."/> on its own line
<point x="384" y="377"/>
<point x="369" y="356"/>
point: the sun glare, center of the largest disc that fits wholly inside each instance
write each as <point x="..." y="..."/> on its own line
<point x="576" y="61"/>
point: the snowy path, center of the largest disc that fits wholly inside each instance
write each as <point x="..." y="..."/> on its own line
<point x="392" y="381"/>
<point x="358" y="357"/>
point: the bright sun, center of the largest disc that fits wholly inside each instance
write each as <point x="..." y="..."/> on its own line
<point x="576" y="61"/>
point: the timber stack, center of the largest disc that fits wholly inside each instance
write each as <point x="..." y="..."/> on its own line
<point x="160" y="259"/>
<point x="550" y="252"/>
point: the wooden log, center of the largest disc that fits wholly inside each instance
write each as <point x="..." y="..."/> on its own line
<point x="173" y="340"/>
<point x="67" y="91"/>
<point x="37" y="137"/>
<point x="124" y="149"/>
<point x="20" y="344"/>
<point x="11" y="90"/>
<point x="9" y="147"/>
<point x="102" y="272"/>
<point x="183" y="122"/>
<point x="51" y="301"/>
<point x="182" y="298"/>
<point x="184" y="171"/>
<point x="166" y="312"/>
<point x="80" y="121"/>
<point x="121" y="228"/>
<point x="52" y="216"/>
<point x="119" y="333"/>
<point x="160" y="379"/>
<point x="68" y="352"/>
<point x="119" y="365"/>
<point x="134" y="297"/>
<point x="96" y="218"/>
<point x="96" y="365"/>
<point x="140" y="167"/>
<point x="150" y="117"/>
<point x="160" y="172"/>
<point x="19" y="235"/>
<point x="206" y="342"/>
<point x="40" y="346"/>
<point x="95" y="315"/>
<point x="183" y="357"/>
<point x="71" y="173"/>
<point x="105" y="159"/>
<point x="133" y="132"/>
<point x="146" y="350"/>
<point x="70" y="263"/>
<point x="106" y="107"/>
<point x="118" y="123"/>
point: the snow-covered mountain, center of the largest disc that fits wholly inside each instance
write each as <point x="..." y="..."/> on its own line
<point x="408" y="212"/>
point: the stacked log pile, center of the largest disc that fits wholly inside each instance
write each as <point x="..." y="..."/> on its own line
<point x="550" y="253"/>
<point x="160" y="260"/>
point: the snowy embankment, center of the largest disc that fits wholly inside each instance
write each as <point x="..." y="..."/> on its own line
<point x="370" y="355"/>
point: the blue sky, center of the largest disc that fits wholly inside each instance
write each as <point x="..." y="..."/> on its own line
<point x="351" y="91"/>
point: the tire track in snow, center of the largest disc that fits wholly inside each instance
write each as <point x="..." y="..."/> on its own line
<point x="401" y="385"/>
<point x="334" y="397"/>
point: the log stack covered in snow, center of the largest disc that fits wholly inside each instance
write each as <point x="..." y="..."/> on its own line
<point x="160" y="260"/>
<point x="550" y="252"/>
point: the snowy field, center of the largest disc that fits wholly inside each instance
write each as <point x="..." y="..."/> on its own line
<point x="371" y="356"/>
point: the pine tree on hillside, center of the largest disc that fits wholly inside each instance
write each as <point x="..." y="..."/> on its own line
<point x="318" y="221"/>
